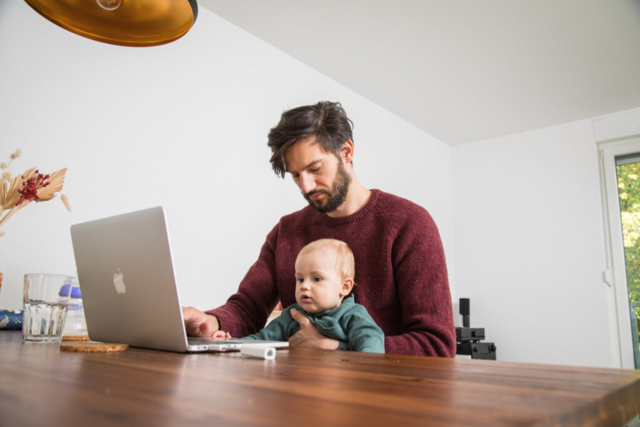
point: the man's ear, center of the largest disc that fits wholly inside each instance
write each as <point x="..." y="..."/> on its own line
<point x="347" y="285"/>
<point x="347" y="151"/>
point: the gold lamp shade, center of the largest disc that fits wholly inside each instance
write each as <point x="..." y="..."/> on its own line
<point x="122" y="22"/>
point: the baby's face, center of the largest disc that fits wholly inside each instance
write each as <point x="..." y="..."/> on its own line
<point x="319" y="284"/>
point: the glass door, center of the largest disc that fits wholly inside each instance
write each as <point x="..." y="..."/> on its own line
<point x="620" y="173"/>
<point x="628" y="180"/>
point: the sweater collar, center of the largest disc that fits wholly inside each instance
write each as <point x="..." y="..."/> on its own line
<point x="347" y="303"/>
<point x="371" y="204"/>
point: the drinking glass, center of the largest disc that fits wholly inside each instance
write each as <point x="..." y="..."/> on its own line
<point x="45" y="307"/>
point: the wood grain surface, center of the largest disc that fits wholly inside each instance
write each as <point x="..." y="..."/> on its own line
<point x="41" y="385"/>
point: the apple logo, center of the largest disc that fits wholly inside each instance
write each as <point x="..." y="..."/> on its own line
<point x="121" y="288"/>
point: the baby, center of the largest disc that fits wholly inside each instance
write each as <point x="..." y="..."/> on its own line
<point x="325" y="271"/>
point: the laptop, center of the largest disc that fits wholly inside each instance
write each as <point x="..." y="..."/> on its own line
<point x="128" y="285"/>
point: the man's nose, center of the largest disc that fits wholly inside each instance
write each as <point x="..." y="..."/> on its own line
<point x="307" y="183"/>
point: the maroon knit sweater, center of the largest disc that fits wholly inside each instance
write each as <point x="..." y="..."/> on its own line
<point x="401" y="274"/>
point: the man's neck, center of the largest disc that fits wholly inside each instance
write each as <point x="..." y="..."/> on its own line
<point x="357" y="197"/>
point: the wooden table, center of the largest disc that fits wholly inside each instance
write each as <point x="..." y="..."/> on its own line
<point x="41" y="386"/>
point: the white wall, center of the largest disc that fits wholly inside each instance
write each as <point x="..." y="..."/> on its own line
<point x="184" y="126"/>
<point x="529" y="245"/>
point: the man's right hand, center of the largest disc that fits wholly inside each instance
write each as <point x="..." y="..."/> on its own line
<point x="198" y="323"/>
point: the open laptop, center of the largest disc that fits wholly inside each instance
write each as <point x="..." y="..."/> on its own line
<point x="128" y="285"/>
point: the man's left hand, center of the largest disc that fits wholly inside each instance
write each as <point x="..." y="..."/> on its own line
<point x="308" y="336"/>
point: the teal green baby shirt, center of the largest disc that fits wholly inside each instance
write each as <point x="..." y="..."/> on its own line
<point x="350" y="324"/>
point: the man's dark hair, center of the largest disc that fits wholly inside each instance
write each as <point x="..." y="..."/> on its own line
<point x="327" y="121"/>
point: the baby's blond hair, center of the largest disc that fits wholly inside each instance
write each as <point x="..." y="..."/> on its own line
<point x="345" y="263"/>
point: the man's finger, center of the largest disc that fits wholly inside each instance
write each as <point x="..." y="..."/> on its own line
<point x="187" y="313"/>
<point x="299" y="317"/>
<point x="295" y="314"/>
<point x="198" y="323"/>
<point x="206" y="328"/>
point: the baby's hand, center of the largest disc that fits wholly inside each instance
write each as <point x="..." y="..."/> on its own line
<point x="221" y="334"/>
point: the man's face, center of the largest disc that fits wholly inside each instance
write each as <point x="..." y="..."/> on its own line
<point x="320" y="175"/>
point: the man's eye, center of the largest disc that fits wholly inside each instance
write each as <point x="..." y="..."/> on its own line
<point x="315" y="170"/>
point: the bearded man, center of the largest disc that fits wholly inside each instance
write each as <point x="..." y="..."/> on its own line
<point x="401" y="273"/>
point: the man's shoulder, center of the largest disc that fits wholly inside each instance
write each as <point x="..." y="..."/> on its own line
<point x="292" y="223"/>
<point x="385" y="198"/>
<point x="397" y="208"/>
<point x="301" y="215"/>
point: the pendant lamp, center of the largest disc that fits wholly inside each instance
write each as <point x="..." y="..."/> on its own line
<point x="121" y="22"/>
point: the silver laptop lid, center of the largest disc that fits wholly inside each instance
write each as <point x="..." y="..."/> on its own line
<point x="127" y="280"/>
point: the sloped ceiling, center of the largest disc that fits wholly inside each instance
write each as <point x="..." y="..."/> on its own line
<point x="463" y="70"/>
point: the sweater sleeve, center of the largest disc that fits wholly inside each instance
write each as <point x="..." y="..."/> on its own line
<point x="364" y="335"/>
<point x="422" y="283"/>
<point x="279" y="329"/>
<point x="246" y="311"/>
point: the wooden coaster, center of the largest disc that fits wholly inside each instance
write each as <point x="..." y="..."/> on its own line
<point x="92" y="347"/>
<point x="76" y="338"/>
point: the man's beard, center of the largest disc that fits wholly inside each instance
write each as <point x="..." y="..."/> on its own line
<point x="337" y="195"/>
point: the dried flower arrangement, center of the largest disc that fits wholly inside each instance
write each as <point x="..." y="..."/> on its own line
<point x="32" y="186"/>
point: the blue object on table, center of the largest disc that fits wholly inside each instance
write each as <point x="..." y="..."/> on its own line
<point x="75" y="291"/>
<point x="10" y="319"/>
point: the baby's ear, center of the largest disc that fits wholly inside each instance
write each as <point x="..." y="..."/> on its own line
<point x="347" y="285"/>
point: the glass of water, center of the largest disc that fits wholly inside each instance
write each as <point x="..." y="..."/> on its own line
<point x="45" y="307"/>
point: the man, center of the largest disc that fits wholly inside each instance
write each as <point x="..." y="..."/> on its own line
<point x="401" y="274"/>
